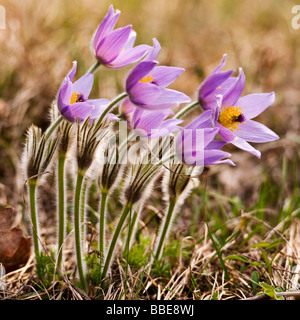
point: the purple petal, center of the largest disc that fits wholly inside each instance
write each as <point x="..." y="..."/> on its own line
<point x="105" y="27"/>
<point x="129" y="56"/>
<point x="216" y="144"/>
<point x="222" y="64"/>
<point x="150" y="121"/>
<point x="209" y="102"/>
<point x="130" y="41"/>
<point x="112" y="45"/>
<point x="149" y="96"/>
<point x="212" y="82"/>
<point x="254" y="104"/>
<point x="225" y="133"/>
<point x="227" y="161"/>
<point x="127" y="108"/>
<point x="171" y="124"/>
<point x="84" y="85"/>
<point x="152" y="55"/>
<point x="206" y="157"/>
<point x="137" y="73"/>
<point x="212" y="157"/>
<point x="192" y="140"/>
<point x="233" y="94"/>
<point x="163" y="76"/>
<point x="99" y="106"/>
<point x="136" y="117"/>
<point x="99" y="102"/>
<point x="202" y="121"/>
<point x="244" y="145"/>
<point x="65" y="93"/>
<point x="72" y="72"/>
<point x="253" y="131"/>
<point x="80" y="110"/>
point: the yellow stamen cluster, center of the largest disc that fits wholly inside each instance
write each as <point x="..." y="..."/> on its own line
<point x="229" y="116"/>
<point x="75" y="97"/>
<point x="147" y="79"/>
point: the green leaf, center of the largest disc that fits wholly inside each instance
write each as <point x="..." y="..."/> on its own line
<point x="237" y="257"/>
<point x="261" y="245"/>
<point x="271" y="291"/>
<point x="255" y="279"/>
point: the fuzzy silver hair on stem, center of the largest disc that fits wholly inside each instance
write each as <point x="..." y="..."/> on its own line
<point x="88" y="141"/>
<point x="37" y="156"/>
<point x="111" y="173"/>
<point x="178" y="182"/>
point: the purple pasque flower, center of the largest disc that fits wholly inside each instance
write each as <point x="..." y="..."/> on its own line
<point x="195" y="144"/>
<point x="114" y="48"/>
<point x="217" y="83"/>
<point x="127" y="108"/>
<point x="146" y="86"/>
<point x="234" y="114"/>
<point x="73" y="102"/>
<point x="153" y="124"/>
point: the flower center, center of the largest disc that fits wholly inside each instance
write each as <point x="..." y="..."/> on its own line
<point x="76" y="97"/>
<point x="231" y="117"/>
<point x="147" y="79"/>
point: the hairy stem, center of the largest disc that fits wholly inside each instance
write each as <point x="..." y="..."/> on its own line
<point x="164" y="229"/>
<point x="77" y="229"/>
<point x="131" y="228"/>
<point x="94" y="67"/>
<point x="61" y="207"/>
<point x="104" y="195"/>
<point x="34" y="219"/>
<point x="114" y="239"/>
<point x="82" y="211"/>
<point x="53" y="126"/>
<point x="182" y="112"/>
<point x="109" y="108"/>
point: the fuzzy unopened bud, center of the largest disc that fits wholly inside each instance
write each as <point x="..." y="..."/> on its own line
<point x="88" y="139"/>
<point x="141" y="181"/>
<point x="38" y="152"/>
<point x="65" y="132"/>
<point x="111" y="170"/>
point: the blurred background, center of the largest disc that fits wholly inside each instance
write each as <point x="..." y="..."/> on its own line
<point x="42" y="38"/>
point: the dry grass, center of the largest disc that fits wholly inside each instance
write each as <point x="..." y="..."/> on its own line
<point x="255" y="202"/>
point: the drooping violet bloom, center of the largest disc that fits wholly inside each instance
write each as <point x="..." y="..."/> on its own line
<point x="195" y="144"/>
<point x="146" y="86"/>
<point x="114" y="48"/>
<point x="73" y="102"/>
<point x="153" y="124"/>
<point x="234" y="114"/>
<point x="217" y="83"/>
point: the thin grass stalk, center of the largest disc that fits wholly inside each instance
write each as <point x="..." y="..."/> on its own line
<point x="77" y="228"/>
